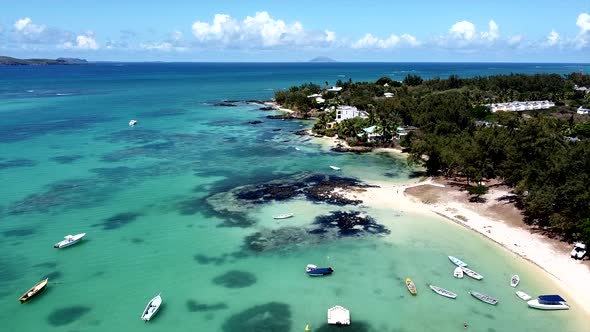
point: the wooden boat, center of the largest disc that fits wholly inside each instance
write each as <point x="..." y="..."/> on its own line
<point x="549" y="302"/>
<point x="152" y="308"/>
<point x="443" y="292"/>
<point x="514" y="280"/>
<point x="283" y="216"/>
<point x="335" y="168"/>
<point x="34" y="290"/>
<point x="457" y="261"/>
<point x="472" y="273"/>
<point x="484" y="298"/>
<point x="458" y="273"/>
<point x="69" y="240"/>
<point x="524" y="296"/>
<point x="411" y="286"/>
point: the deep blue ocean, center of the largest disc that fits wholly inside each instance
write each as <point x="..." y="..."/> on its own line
<point x="157" y="203"/>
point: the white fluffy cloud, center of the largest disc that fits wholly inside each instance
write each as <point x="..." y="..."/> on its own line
<point x="370" y="41"/>
<point x="583" y="37"/>
<point x="464" y="35"/>
<point x="26" y="27"/>
<point x="553" y="38"/>
<point x="83" y="42"/>
<point x="258" y="31"/>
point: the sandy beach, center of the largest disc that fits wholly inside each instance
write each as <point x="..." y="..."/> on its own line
<point x="495" y="219"/>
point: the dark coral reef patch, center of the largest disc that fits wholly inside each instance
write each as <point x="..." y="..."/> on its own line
<point x="270" y="317"/>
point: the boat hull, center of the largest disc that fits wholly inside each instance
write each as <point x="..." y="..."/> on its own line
<point x="151" y="309"/>
<point x="536" y="305"/>
<point x="443" y="292"/>
<point x="38" y="288"/>
<point x="514" y="280"/>
<point x="472" y="274"/>
<point x="484" y="298"/>
<point x="457" y="261"/>
<point x="411" y="286"/>
<point x="66" y="243"/>
<point x="458" y="273"/>
<point x="321" y="271"/>
<point x="523" y="296"/>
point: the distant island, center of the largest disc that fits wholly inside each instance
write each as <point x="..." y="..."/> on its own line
<point x="322" y="59"/>
<point x="10" y="61"/>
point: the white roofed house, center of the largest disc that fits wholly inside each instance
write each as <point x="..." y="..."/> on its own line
<point x="582" y="110"/>
<point x="388" y="94"/>
<point x="335" y="89"/>
<point x="349" y="112"/>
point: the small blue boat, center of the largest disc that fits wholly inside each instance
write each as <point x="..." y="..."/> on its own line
<point x="320" y="271"/>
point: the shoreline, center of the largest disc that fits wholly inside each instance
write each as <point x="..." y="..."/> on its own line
<point x="495" y="220"/>
<point x="571" y="276"/>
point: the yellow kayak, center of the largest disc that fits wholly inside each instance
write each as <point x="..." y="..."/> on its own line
<point x="411" y="286"/>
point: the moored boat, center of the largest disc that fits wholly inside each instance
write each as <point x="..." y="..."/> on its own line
<point x="514" y="280"/>
<point x="458" y="273"/>
<point x="69" y="240"/>
<point x="335" y="168"/>
<point x="411" y="286"/>
<point x="472" y="273"/>
<point x="549" y="302"/>
<point x="152" y="308"/>
<point x="523" y="296"/>
<point x="283" y="216"/>
<point x="33" y="290"/>
<point x="319" y="271"/>
<point x="132" y="123"/>
<point x="443" y="292"/>
<point x="457" y="261"/>
<point x="484" y="298"/>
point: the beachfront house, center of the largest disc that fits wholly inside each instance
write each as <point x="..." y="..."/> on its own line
<point x="371" y="132"/>
<point x="349" y="112"/>
<point x="582" y="110"/>
<point x="518" y="106"/>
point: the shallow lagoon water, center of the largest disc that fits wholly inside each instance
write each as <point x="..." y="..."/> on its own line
<point x="70" y="163"/>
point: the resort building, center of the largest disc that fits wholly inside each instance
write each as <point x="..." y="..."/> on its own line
<point x="581" y="88"/>
<point x="582" y="110"/>
<point x="388" y="94"/>
<point x="518" y="106"/>
<point x="349" y="112"/>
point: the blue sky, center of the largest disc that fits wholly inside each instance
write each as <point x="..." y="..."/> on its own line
<point x="257" y="30"/>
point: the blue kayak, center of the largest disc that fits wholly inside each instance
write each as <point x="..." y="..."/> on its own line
<point x="320" y="271"/>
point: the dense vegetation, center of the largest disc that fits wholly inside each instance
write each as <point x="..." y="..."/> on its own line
<point x="544" y="155"/>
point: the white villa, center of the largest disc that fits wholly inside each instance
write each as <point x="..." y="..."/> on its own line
<point x="388" y="94"/>
<point x="519" y="106"/>
<point x="349" y="112"/>
<point x="582" y="88"/>
<point x="335" y="89"/>
<point x="582" y="110"/>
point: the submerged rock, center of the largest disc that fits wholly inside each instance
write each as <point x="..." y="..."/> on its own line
<point x="276" y="239"/>
<point x="348" y="224"/>
<point x="270" y="317"/>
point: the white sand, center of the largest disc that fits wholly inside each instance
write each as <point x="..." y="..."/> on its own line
<point x="571" y="275"/>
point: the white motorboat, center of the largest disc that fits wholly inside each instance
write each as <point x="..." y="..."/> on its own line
<point x="523" y="296"/>
<point x="298" y="149"/>
<point x="443" y="292"/>
<point x="69" y="240"/>
<point x="335" y="168"/>
<point x="457" y="261"/>
<point x="152" y="308"/>
<point x="514" y="280"/>
<point x="283" y="216"/>
<point x="484" y="298"/>
<point x="458" y="273"/>
<point x="549" y="302"/>
<point x="132" y="123"/>
<point x="472" y="273"/>
<point x="310" y="267"/>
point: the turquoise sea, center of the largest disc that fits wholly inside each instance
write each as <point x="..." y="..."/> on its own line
<point x="153" y="200"/>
